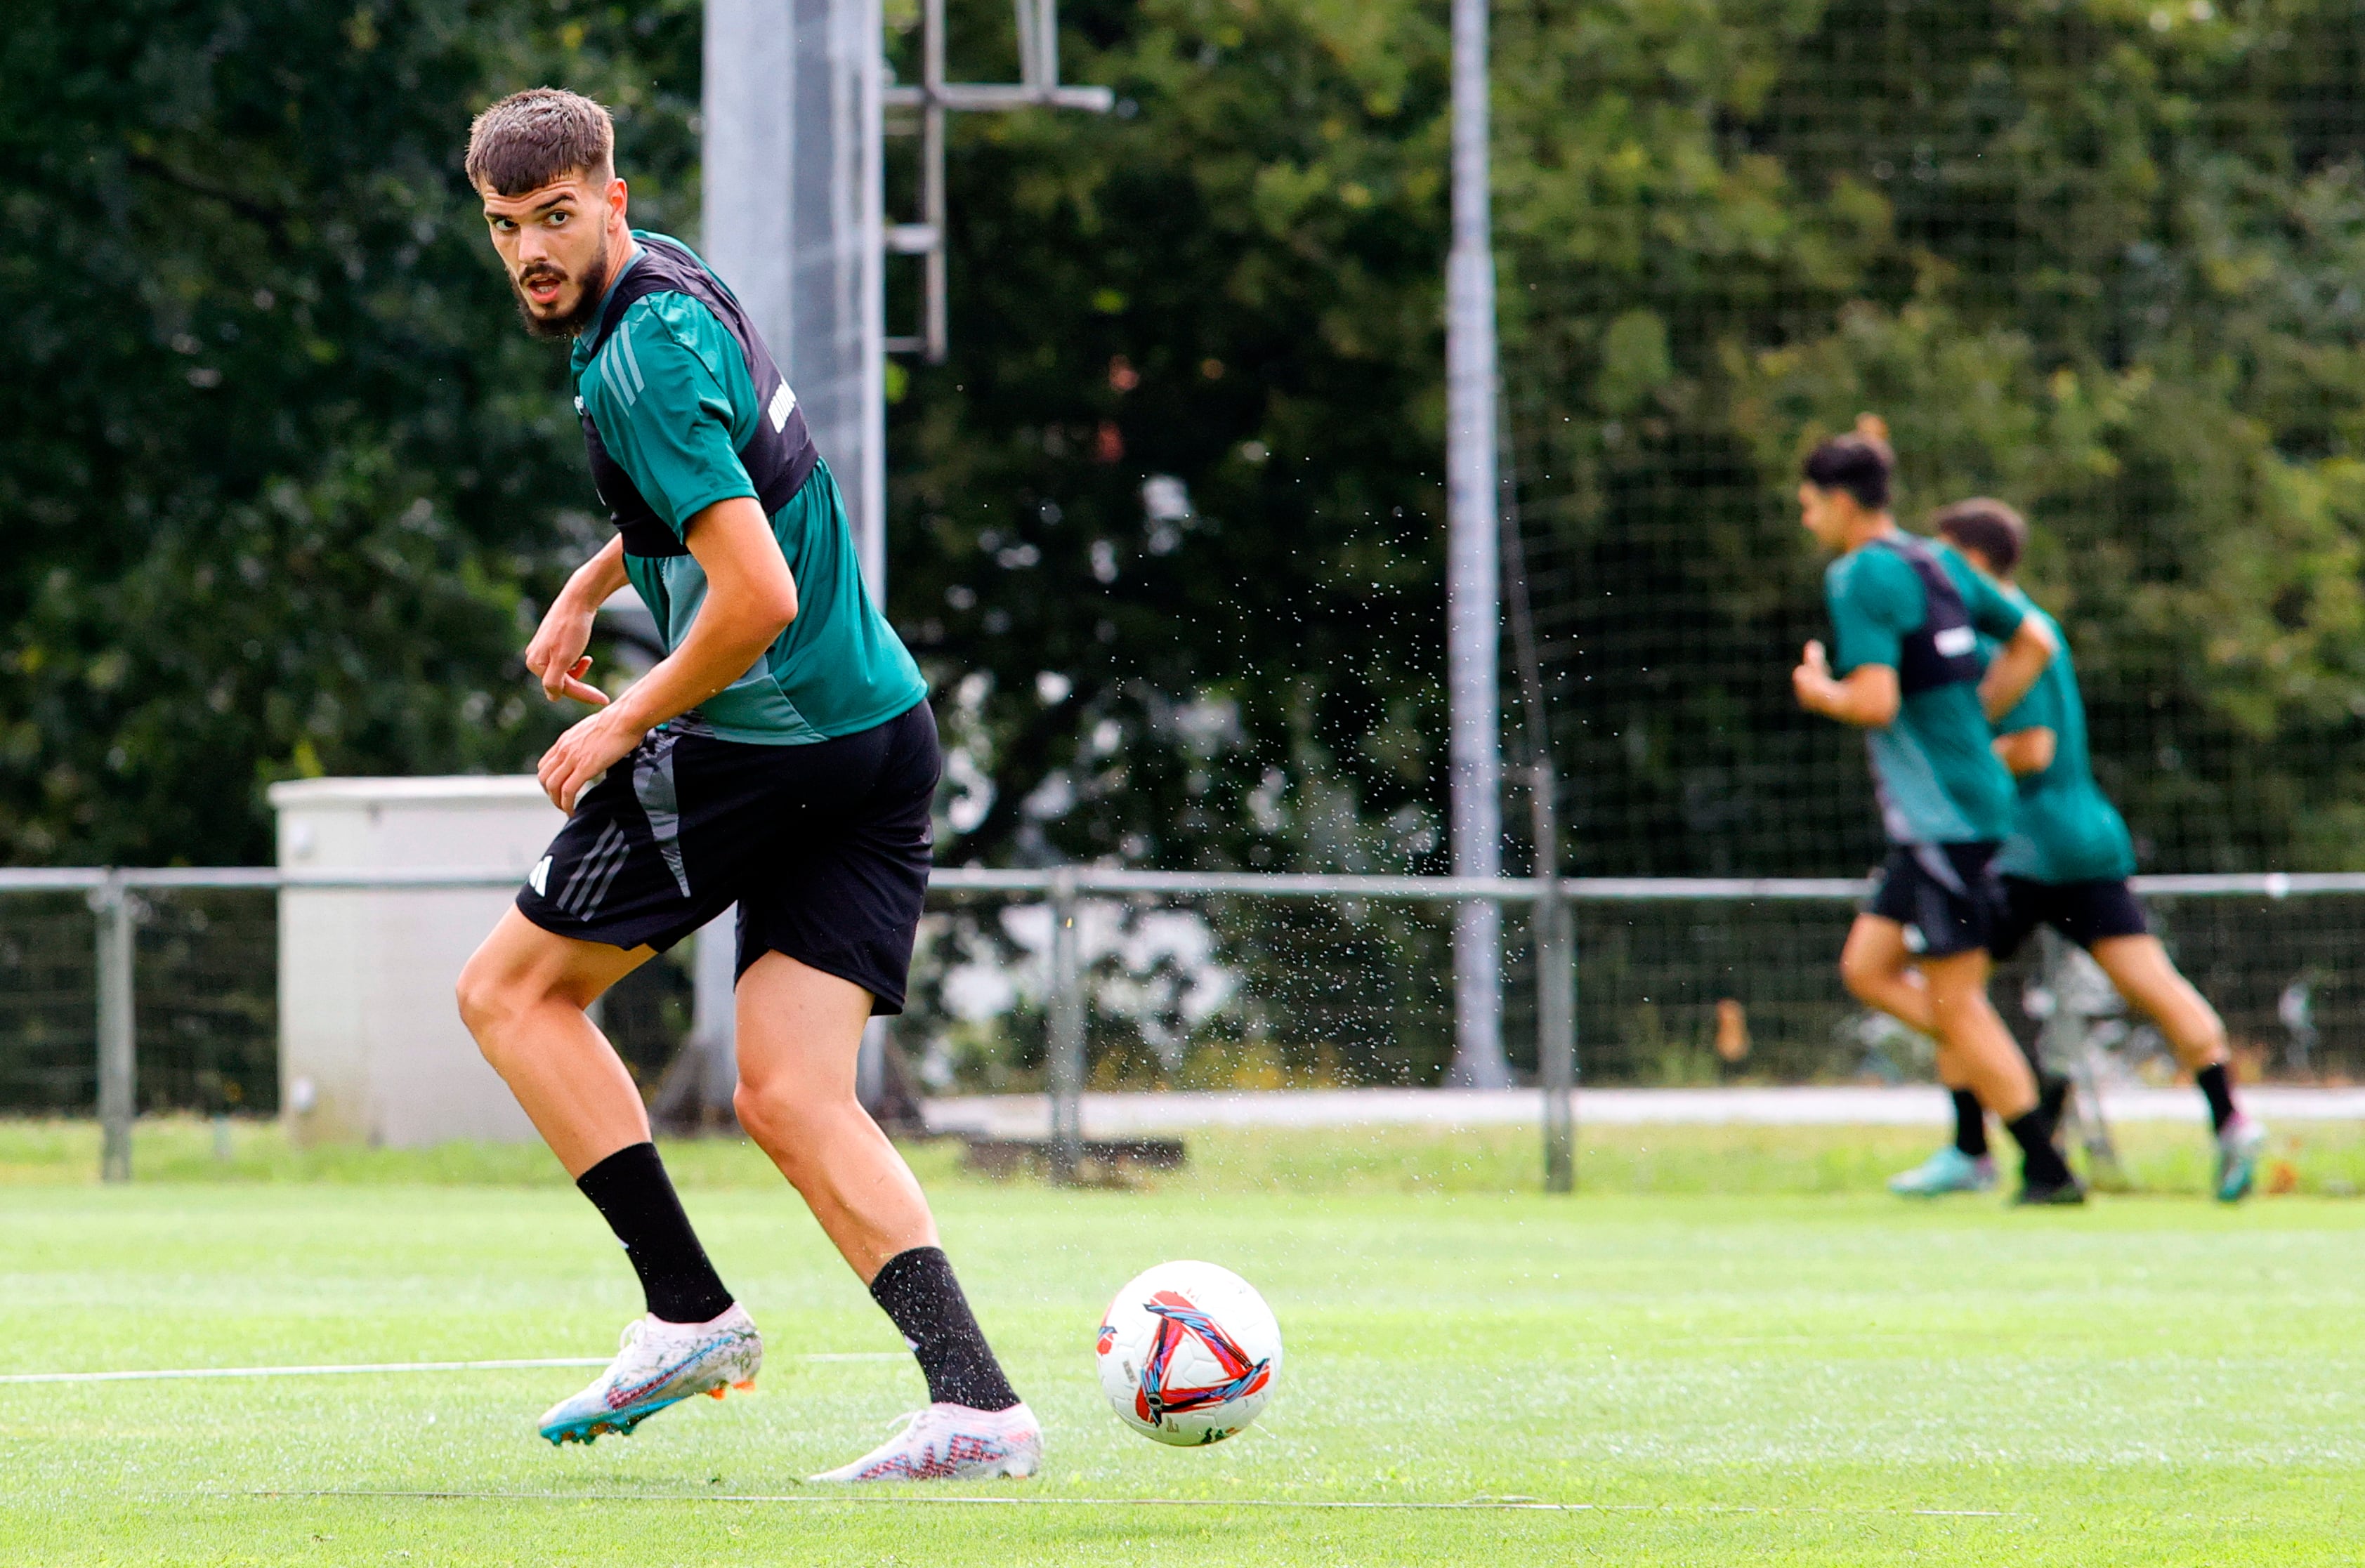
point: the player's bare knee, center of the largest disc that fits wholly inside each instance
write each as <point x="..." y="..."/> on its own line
<point x="1862" y="975"/>
<point x="769" y="1117"/>
<point x="478" y="994"/>
<point x="2204" y="1040"/>
<point x="791" y="1122"/>
<point x="1852" y="975"/>
<point x="491" y="999"/>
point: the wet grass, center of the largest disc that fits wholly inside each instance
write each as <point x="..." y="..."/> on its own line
<point x="1811" y="1374"/>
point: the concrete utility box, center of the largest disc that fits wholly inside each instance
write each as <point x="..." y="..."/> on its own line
<point x="370" y="1049"/>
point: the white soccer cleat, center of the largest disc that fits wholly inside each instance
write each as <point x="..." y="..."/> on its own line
<point x="952" y="1442"/>
<point x="660" y="1363"/>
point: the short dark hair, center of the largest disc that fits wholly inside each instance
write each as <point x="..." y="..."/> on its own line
<point x="1988" y="526"/>
<point x="543" y="134"/>
<point x="1859" y="462"/>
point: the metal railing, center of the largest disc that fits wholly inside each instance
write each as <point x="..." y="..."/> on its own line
<point x="113" y="895"/>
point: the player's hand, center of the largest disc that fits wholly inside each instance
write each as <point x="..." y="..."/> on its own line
<point x="588" y="748"/>
<point x="1812" y="681"/>
<point x="556" y="656"/>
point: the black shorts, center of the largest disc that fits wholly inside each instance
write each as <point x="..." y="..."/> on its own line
<point x="2086" y="913"/>
<point x="825" y="848"/>
<point x="1943" y="894"/>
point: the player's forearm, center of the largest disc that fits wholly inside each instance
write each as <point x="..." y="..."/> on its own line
<point x="596" y="579"/>
<point x="2015" y="668"/>
<point x="1854" y="707"/>
<point x="1862" y="699"/>
<point x="2023" y="752"/>
<point x="750" y="600"/>
<point x="721" y="647"/>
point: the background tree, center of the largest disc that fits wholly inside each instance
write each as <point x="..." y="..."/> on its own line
<point x="280" y="472"/>
<point x="284" y="479"/>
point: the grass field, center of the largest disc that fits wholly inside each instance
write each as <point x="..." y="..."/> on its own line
<point x="1803" y="1372"/>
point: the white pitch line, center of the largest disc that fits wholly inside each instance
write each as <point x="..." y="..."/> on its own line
<point x="1493" y="1504"/>
<point x="164" y="1373"/>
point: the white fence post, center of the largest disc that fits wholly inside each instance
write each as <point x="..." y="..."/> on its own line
<point x="1556" y="1032"/>
<point x="115" y="906"/>
<point x="1064" y="1063"/>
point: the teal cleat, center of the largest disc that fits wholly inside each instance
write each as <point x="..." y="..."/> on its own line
<point x="1948" y="1170"/>
<point x="658" y="1365"/>
<point x="2238" y="1149"/>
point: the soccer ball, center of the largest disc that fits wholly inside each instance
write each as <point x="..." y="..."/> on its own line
<point x="1188" y="1353"/>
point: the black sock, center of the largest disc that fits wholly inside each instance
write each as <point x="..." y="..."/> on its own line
<point x="2040" y="1163"/>
<point x="1970" y="1124"/>
<point x="918" y="1290"/>
<point x="2220" y="1091"/>
<point x="2053" y="1099"/>
<point x="633" y="1194"/>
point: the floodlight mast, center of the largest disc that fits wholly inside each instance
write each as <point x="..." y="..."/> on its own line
<point x="1473" y="613"/>
<point x="793" y="214"/>
<point x="794" y="220"/>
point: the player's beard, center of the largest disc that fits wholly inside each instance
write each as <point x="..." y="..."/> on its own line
<point x="587" y="304"/>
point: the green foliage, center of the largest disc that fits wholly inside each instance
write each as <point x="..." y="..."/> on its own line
<point x="282" y="477"/>
<point x="280" y="471"/>
<point x="1233" y="281"/>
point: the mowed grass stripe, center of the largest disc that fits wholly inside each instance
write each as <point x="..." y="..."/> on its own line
<point x="1714" y="1379"/>
<point x="921" y="1498"/>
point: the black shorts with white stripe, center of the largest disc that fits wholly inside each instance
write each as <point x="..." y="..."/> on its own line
<point x="825" y="848"/>
<point x="1943" y="894"/>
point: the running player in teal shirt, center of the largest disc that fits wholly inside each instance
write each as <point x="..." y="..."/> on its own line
<point x="781" y="757"/>
<point x="2066" y="862"/>
<point x="1906" y="617"/>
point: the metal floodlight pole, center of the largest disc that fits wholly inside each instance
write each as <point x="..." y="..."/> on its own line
<point x="1472" y="587"/>
<point x="714" y="1018"/>
<point x="1064" y="1055"/>
<point x="793" y="220"/>
<point x="117" y="907"/>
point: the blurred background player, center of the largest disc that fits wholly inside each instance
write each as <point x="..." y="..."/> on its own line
<point x="2066" y="866"/>
<point x="1906" y="617"/>
<point x="781" y="756"/>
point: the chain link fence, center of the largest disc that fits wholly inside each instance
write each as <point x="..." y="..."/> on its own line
<point x="1053" y="981"/>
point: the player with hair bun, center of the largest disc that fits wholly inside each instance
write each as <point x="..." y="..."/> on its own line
<point x="2065" y="864"/>
<point x="1903" y="668"/>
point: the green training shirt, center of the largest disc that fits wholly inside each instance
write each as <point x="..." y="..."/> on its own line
<point x="2064" y="828"/>
<point x="670" y="394"/>
<point x="1938" y="780"/>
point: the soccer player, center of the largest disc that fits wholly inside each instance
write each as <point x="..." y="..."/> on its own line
<point x="782" y="755"/>
<point x="2066" y="866"/>
<point x="1906" y="616"/>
